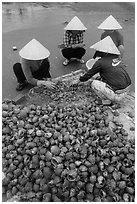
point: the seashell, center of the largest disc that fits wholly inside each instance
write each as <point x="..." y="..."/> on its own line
<point x="35" y="119"/>
<point x="116" y="197"/>
<point x="93" y="169"/>
<point x="48" y="155"/>
<point x="83" y="168"/>
<point x="64" y="173"/>
<point x="110" y="168"/>
<point x="127" y="170"/>
<point x="46" y="197"/>
<point x="66" y="195"/>
<point x="93" y="178"/>
<point x="102" y="194"/>
<point x="72" y="174"/>
<point x="36" y="188"/>
<point x="73" y="199"/>
<point x="72" y="165"/>
<point x="80" y="184"/>
<point x="80" y="195"/>
<point x="89" y="187"/>
<point x="5" y="181"/>
<point x="131" y="157"/>
<point x="130" y="190"/>
<point x="101" y="165"/>
<point x="122" y="184"/>
<point x="84" y="174"/>
<point x="47" y="172"/>
<point x="116" y="175"/>
<point x="93" y="132"/>
<point x="55" y="150"/>
<point x="56" y="199"/>
<point x="91" y="158"/>
<point x="111" y="184"/>
<point x="72" y="192"/>
<point x="69" y="155"/>
<point x="8" y="194"/>
<point x="106" y="161"/>
<point x="57" y="127"/>
<point x="126" y="197"/>
<point x="48" y="135"/>
<point x="37" y="174"/>
<point x="89" y="197"/>
<point x="55" y="181"/>
<point x="39" y="133"/>
<point x="41" y="164"/>
<point x="97" y="199"/>
<point x="5" y="107"/>
<point x="87" y="164"/>
<point x="127" y="162"/>
<point x="4" y="114"/>
<point x="28" y="126"/>
<point x="78" y="163"/>
<point x="56" y="160"/>
<point x="100" y="180"/>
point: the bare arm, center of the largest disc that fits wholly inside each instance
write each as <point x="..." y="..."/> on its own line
<point x="121" y="49"/>
<point x="27" y="72"/>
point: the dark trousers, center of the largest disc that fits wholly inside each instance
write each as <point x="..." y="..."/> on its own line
<point x="42" y="72"/>
<point x="69" y="53"/>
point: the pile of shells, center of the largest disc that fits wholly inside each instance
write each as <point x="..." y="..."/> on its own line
<point x="63" y="93"/>
<point x="65" y="153"/>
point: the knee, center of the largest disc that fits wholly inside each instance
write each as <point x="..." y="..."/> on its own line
<point x="64" y="51"/>
<point x="96" y="84"/>
<point x="16" y="67"/>
<point x="82" y="50"/>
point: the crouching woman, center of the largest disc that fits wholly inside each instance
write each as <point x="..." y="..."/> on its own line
<point x="114" y="82"/>
<point x="34" y="66"/>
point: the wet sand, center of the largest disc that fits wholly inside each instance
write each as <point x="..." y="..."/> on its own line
<point x="46" y="23"/>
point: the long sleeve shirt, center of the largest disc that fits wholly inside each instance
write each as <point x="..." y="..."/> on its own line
<point x="33" y="69"/>
<point x="115" y="76"/>
<point x="69" y="39"/>
<point x="115" y="36"/>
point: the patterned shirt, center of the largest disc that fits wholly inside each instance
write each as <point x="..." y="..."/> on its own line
<point x="69" y="39"/>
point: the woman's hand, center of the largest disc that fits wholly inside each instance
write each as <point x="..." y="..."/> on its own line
<point x="78" y="45"/>
<point x="61" y="46"/>
<point x="48" y="84"/>
<point x="75" y="82"/>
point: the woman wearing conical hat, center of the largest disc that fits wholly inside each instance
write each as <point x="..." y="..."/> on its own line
<point x="115" y="82"/>
<point x="73" y="45"/>
<point x="111" y="28"/>
<point x="34" y="66"/>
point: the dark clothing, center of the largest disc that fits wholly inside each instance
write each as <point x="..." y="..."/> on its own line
<point x="42" y="72"/>
<point x="69" y="53"/>
<point x="99" y="54"/>
<point x="115" y="76"/>
<point x="115" y="36"/>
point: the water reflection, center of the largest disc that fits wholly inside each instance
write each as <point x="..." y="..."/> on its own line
<point x="8" y="13"/>
<point x="15" y="15"/>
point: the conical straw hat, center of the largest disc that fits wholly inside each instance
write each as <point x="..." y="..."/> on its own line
<point x="110" y="24"/>
<point x="34" y="50"/>
<point x="106" y="45"/>
<point x="75" y="24"/>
